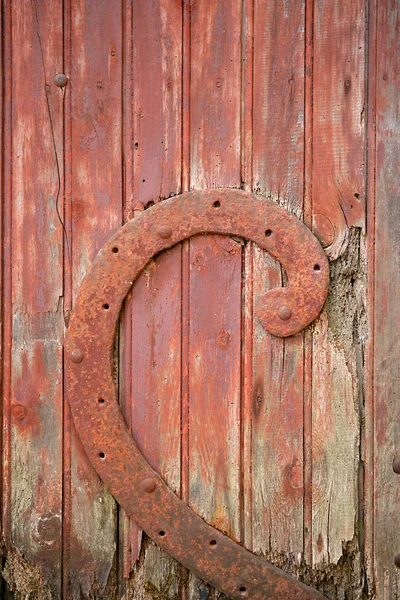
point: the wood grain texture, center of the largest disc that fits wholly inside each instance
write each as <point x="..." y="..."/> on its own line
<point x="338" y="106"/>
<point x="157" y="65"/>
<point x="214" y="380"/>
<point x="277" y="426"/>
<point x="278" y="110"/>
<point x="96" y="196"/>
<point x="152" y="375"/>
<point x="337" y="204"/>
<point x="335" y="448"/>
<point x="215" y="94"/>
<point x="6" y="292"/>
<point x="269" y="440"/>
<point x="37" y="289"/>
<point x="386" y="521"/>
<point x="215" y="274"/>
<point x="155" y="400"/>
<point x="277" y="386"/>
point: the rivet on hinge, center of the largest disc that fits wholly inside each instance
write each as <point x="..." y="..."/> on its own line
<point x="76" y="356"/>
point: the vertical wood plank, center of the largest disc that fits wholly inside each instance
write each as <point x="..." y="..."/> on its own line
<point x="6" y="313"/>
<point x="338" y="121"/>
<point x="337" y="206"/>
<point x="246" y="155"/>
<point x="215" y="274"/>
<point x="215" y="94"/>
<point x="157" y="64"/>
<point x="3" y="37"/>
<point x="37" y="290"/>
<point x="386" y="526"/>
<point x="335" y="448"/>
<point x="278" y="372"/>
<point x="153" y="408"/>
<point x="279" y="102"/>
<point x="214" y="379"/>
<point x="96" y="197"/>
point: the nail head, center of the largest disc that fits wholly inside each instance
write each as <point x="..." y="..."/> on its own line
<point x="61" y="80"/>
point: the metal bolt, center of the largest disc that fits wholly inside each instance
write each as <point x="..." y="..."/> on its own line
<point x="165" y="232"/>
<point x="141" y="115"/>
<point x="385" y="77"/>
<point x="61" y="80"/>
<point x="397" y="561"/>
<point x="76" y="356"/>
<point x="148" y="485"/>
<point x="19" y="411"/>
<point x="285" y="312"/>
<point x="219" y="83"/>
<point x="396" y="465"/>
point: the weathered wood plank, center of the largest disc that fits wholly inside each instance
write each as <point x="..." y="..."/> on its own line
<point x="215" y="274"/>
<point x="37" y="290"/>
<point x="278" y="372"/>
<point x="337" y="202"/>
<point x="154" y="404"/>
<point x="279" y="101"/>
<point x="214" y="376"/>
<point x="96" y="197"/>
<point x="153" y="372"/>
<point x="335" y="446"/>
<point x="5" y="279"/>
<point x="157" y="65"/>
<point x="338" y="121"/>
<point x="386" y="312"/>
<point x="215" y="94"/>
<point x="246" y="166"/>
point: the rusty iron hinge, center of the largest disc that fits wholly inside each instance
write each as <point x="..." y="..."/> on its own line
<point x="92" y="393"/>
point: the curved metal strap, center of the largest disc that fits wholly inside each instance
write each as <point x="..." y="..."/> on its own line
<point x="92" y="393"/>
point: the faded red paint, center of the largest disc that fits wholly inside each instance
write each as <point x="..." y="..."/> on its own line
<point x="162" y="98"/>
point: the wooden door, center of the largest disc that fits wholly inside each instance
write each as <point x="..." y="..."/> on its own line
<point x="288" y="446"/>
